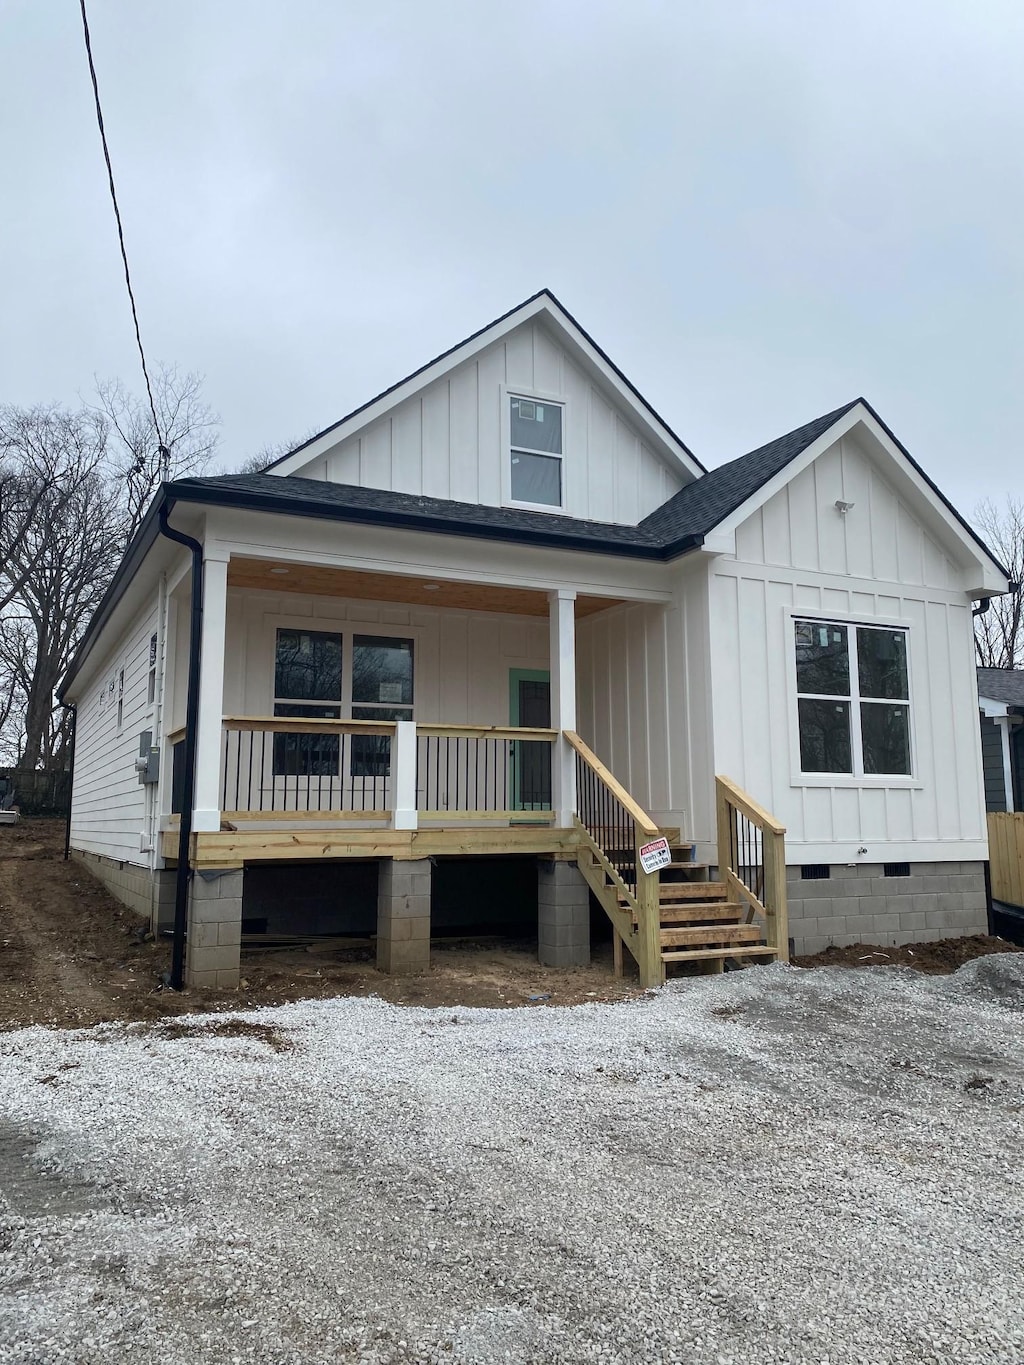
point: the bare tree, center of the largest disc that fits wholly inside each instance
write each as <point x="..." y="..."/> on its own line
<point x="999" y="632"/>
<point x="188" y="426"/>
<point x="274" y="450"/>
<point x="45" y="454"/>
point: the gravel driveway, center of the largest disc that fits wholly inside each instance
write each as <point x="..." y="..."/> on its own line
<point x="774" y="1165"/>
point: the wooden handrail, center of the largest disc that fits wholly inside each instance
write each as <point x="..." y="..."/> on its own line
<point x="644" y="823"/>
<point x="502" y="732"/>
<point x="298" y="725"/>
<point x="750" y="808"/>
<point x="762" y="860"/>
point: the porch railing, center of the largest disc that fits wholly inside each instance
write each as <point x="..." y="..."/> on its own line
<point x="332" y="769"/>
<point x="380" y="771"/>
<point x="614" y="827"/>
<point x="752" y="861"/>
<point x="484" y="772"/>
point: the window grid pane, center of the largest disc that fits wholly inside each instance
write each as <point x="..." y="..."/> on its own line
<point x="825" y="736"/>
<point x="882" y="664"/>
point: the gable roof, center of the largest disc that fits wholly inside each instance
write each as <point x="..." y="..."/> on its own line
<point x="543" y="303"/>
<point x="701" y="505"/>
<point x="1002" y="684"/>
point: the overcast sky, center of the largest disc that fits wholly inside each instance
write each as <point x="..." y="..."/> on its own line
<point x="759" y="210"/>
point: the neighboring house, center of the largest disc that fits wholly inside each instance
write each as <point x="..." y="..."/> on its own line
<point x="494" y="631"/>
<point x="1001" y="703"/>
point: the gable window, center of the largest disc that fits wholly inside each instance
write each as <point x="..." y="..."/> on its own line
<point x="853" y="699"/>
<point x="536" y="455"/>
<point x="307" y="685"/>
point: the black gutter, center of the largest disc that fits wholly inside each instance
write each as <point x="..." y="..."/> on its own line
<point x="184" y="872"/>
<point x="71" y="779"/>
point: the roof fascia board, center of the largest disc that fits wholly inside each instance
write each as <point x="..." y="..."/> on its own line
<point x="993" y="709"/>
<point x="665" y="441"/>
<point x="985" y="573"/>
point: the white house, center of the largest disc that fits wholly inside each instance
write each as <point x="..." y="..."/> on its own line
<point x="502" y="612"/>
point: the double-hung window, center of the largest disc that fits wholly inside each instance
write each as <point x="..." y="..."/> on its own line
<point x="381" y="690"/>
<point x="307" y="685"/>
<point x="853" y="699"/>
<point x="536" y="430"/>
<point x="310" y="683"/>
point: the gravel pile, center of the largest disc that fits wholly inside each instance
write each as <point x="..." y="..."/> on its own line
<point x="771" y="1166"/>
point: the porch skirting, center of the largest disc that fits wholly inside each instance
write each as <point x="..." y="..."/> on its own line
<point x="860" y="904"/>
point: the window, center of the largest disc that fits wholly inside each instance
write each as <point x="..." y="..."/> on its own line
<point x="536" y="431"/>
<point x="308" y="684"/>
<point x="381" y="690"/>
<point x="307" y="678"/>
<point x="151" y="696"/>
<point x="853" y="699"/>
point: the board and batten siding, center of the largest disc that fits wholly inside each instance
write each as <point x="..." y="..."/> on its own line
<point x="644" y="687"/>
<point x="461" y="659"/>
<point x="110" y="808"/>
<point x="799" y="554"/>
<point x="450" y="440"/>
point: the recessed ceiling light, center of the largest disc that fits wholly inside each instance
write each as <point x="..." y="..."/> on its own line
<point x="279" y="569"/>
<point x="431" y="587"/>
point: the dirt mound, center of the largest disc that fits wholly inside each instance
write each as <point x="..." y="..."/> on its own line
<point x="940" y="958"/>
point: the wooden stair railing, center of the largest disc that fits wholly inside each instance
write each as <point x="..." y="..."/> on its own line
<point x="752" y="862"/>
<point x="612" y="828"/>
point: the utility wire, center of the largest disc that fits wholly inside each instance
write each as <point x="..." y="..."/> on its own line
<point x="164" y="453"/>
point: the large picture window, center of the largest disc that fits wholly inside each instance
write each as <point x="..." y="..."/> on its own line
<point x="853" y="699"/>
<point x="536" y="430"/>
<point x="310" y="683"/>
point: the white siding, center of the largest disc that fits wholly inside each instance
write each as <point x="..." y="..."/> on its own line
<point x="449" y="441"/>
<point x="110" y="807"/>
<point x="644" y="691"/>
<point x="877" y="562"/>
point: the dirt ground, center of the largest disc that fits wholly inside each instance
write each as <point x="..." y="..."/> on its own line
<point x="71" y="955"/>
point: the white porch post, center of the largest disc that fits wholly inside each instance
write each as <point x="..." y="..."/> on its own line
<point x="562" y="653"/>
<point x="403" y="776"/>
<point x="1003" y="722"/>
<point x="211" y="694"/>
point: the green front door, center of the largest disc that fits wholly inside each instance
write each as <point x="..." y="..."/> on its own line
<point x="530" y="760"/>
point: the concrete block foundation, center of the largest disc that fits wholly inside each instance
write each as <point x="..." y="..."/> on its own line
<point x="403" y="916"/>
<point x="213" y="947"/>
<point x="150" y="894"/>
<point x="563" y="915"/>
<point x="861" y="904"/>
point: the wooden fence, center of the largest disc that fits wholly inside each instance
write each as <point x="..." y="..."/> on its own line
<point x="1006" y="856"/>
<point x="38" y="793"/>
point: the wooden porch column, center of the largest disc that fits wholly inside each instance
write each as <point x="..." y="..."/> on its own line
<point x="211" y="694"/>
<point x="403" y="776"/>
<point x="562" y="655"/>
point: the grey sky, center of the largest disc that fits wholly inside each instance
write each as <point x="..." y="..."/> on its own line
<point x="759" y="209"/>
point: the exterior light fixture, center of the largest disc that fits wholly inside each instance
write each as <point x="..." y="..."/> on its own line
<point x="843" y="507"/>
<point x="279" y="568"/>
<point x="431" y="587"/>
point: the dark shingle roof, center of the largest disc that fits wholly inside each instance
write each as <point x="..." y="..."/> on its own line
<point x="673" y="528"/>
<point x="701" y="505"/>
<point x="1002" y="684"/>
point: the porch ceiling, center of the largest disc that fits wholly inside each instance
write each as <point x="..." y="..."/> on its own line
<point x="320" y="581"/>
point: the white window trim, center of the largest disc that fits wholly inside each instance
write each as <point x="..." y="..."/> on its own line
<point x="532" y="396"/>
<point x="798" y="778"/>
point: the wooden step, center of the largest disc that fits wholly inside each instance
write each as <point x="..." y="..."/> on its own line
<point x="710" y="934"/>
<point x="689" y="891"/>
<point x="720" y="912"/>
<point x="704" y="953"/>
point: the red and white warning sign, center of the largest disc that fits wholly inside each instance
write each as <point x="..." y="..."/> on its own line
<point x="654" y="855"/>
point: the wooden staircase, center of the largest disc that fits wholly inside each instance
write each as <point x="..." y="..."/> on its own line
<point x="674" y="914"/>
<point x="697" y="922"/>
